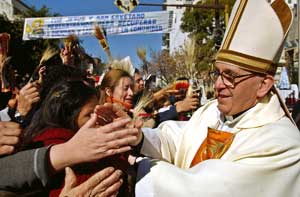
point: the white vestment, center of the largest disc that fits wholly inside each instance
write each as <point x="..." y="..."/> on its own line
<point x="263" y="159"/>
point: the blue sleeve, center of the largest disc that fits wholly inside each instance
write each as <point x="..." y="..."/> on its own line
<point x="144" y="167"/>
<point x="170" y="114"/>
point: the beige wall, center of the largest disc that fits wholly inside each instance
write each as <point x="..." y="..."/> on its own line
<point x="12" y="8"/>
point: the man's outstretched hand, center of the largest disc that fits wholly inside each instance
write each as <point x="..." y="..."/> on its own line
<point x="106" y="182"/>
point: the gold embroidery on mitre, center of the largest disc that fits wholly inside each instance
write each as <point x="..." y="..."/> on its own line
<point x="234" y="24"/>
<point x="247" y="62"/>
<point x="284" y="14"/>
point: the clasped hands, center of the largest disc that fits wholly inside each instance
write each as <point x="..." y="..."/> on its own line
<point x="109" y="113"/>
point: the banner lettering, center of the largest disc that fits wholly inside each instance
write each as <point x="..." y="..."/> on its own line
<point x="113" y="24"/>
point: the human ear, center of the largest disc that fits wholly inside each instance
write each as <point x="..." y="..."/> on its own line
<point x="108" y="91"/>
<point x="265" y="86"/>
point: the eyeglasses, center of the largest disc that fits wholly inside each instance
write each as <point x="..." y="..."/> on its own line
<point x="228" y="79"/>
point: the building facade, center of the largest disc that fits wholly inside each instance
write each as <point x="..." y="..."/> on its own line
<point x="13" y="9"/>
<point x="175" y="39"/>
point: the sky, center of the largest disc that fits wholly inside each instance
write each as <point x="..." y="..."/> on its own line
<point x="120" y="45"/>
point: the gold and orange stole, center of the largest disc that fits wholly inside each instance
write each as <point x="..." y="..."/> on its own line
<point x="214" y="146"/>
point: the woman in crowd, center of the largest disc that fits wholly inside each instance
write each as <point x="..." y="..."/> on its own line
<point x="117" y="87"/>
<point x="65" y="109"/>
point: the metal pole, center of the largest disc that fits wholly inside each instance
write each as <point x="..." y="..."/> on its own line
<point x="217" y="15"/>
<point x="298" y="43"/>
<point x="207" y="6"/>
<point x="226" y="14"/>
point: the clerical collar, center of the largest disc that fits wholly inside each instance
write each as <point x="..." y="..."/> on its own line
<point x="231" y="118"/>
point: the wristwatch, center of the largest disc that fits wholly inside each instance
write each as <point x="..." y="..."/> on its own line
<point x="19" y="118"/>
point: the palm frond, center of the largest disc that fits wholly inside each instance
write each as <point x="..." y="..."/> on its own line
<point x="144" y="101"/>
<point x="123" y="64"/>
<point x="190" y="58"/>
<point x="48" y="54"/>
<point x="7" y="74"/>
<point x="141" y="52"/>
<point x="71" y="41"/>
<point x="100" y="35"/>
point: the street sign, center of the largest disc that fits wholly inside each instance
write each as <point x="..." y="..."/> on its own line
<point x="126" y="6"/>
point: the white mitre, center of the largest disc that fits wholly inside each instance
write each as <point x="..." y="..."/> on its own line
<point x="255" y="35"/>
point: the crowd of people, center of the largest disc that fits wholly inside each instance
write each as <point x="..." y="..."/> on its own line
<point x="66" y="133"/>
<point x="62" y="107"/>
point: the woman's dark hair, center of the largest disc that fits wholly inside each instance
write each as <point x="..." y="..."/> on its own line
<point x="60" y="108"/>
<point x="57" y="73"/>
<point x="53" y="75"/>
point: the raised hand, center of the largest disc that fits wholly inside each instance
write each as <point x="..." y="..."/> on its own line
<point x="91" y="143"/>
<point x="108" y="113"/>
<point x="106" y="182"/>
<point x="4" y="45"/>
<point x="27" y="96"/>
<point x="189" y="103"/>
<point x="67" y="56"/>
<point x="9" y="137"/>
<point x="42" y="71"/>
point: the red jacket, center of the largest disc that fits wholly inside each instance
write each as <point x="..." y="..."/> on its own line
<point x="83" y="171"/>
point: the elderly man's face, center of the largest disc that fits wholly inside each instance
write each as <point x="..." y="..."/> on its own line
<point x="242" y="94"/>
